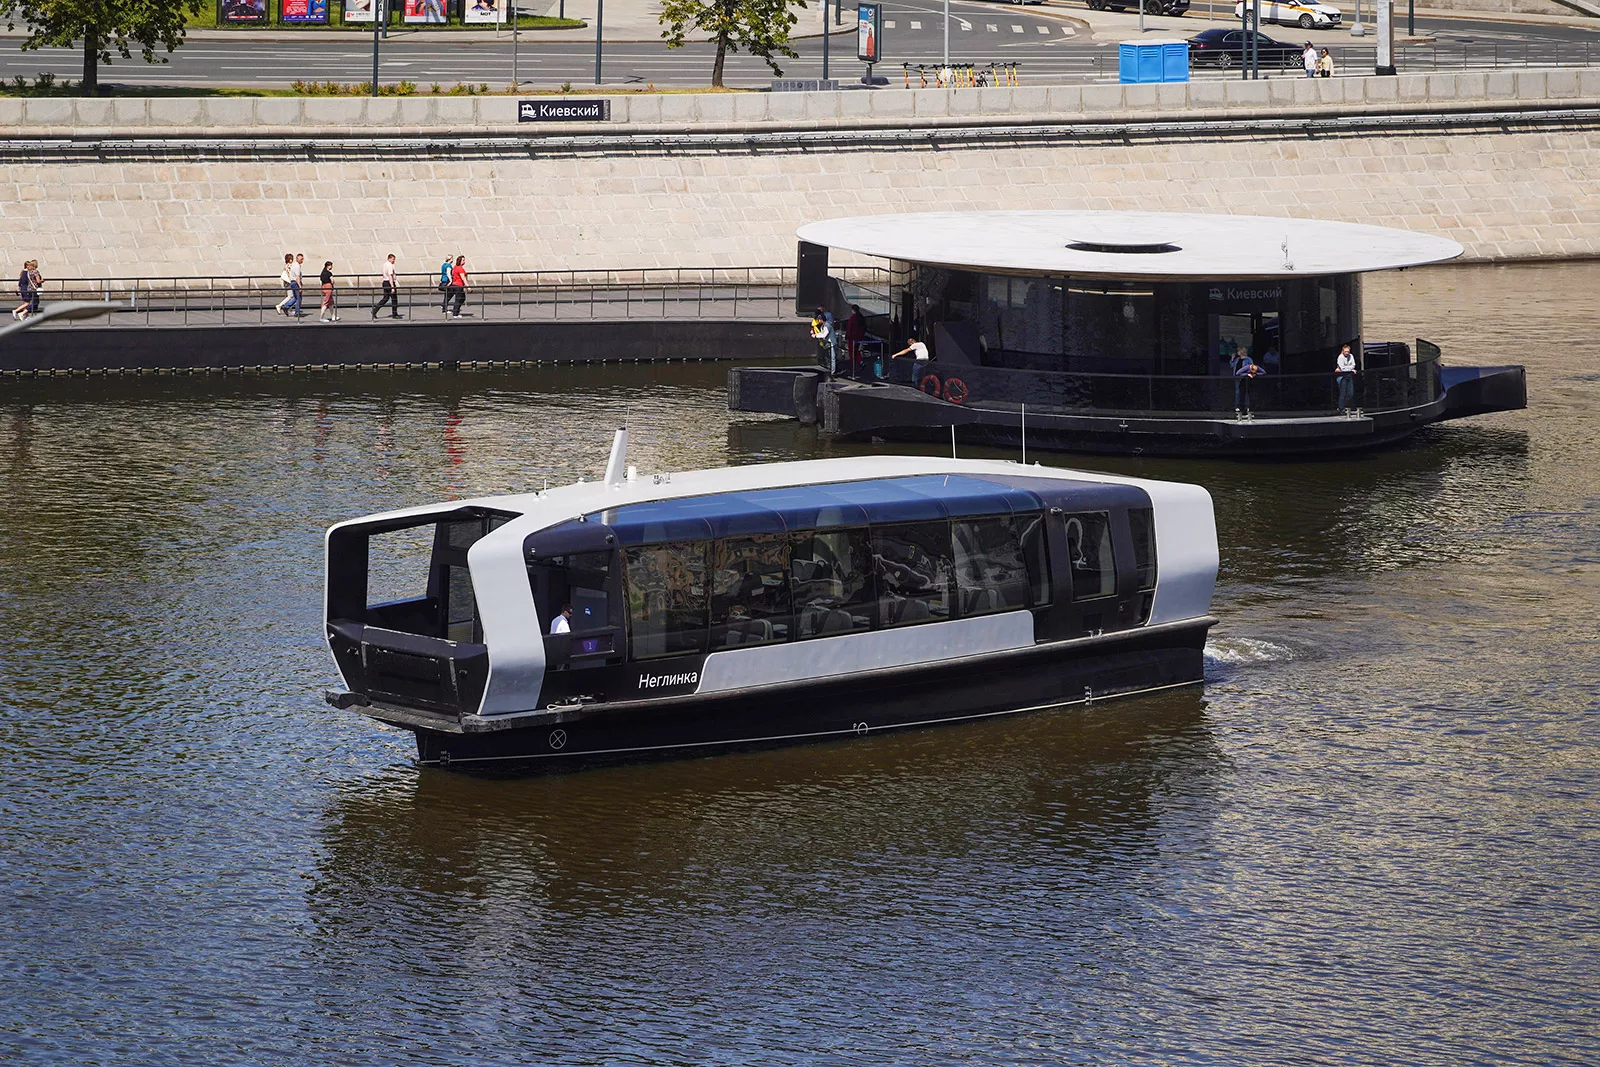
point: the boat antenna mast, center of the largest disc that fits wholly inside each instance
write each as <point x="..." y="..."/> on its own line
<point x="617" y="464"/>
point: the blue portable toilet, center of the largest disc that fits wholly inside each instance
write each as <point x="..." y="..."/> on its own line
<point x="1142" y="62"/>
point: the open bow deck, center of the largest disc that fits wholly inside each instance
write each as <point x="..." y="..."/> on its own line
<point x="764" y="605"/>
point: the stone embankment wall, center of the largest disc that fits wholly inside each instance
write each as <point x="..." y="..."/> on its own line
<point x="173" y="187"/>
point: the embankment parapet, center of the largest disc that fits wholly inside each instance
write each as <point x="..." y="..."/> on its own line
<point x="654" y="113"/>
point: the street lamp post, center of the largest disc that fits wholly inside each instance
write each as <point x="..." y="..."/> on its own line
<point x="599" y="23"/>
<point x="824" y="40"/>
<point x="377" y="7"/>
<point x="516" y="21"/>
<point x="947" y="34"/>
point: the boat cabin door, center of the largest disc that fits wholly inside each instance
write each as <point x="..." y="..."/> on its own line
<point x="565" y="571"/>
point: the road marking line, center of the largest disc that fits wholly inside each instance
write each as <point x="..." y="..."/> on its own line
<point x="888" y="24"/>
<point x="1015" y="28"/>
<point x="1044" y="30"/>
<point x="916" y="25"/>
<point x="993" y="28"/>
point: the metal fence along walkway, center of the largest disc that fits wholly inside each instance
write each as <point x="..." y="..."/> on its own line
<point x="744" y="294"/>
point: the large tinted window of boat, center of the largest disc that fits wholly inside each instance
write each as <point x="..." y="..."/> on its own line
<point x="831" y="575"/>
<point x="914" y="568"/>
<point x="1094" y="571"/>
<point x="991" y="573"/>
<point x="667" y="599"/>
<point x="749" y="590"/>
<point x="1142" y="524"/>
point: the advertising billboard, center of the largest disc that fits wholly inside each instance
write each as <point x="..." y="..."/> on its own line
<point x="869" y="32"/>
<point x="304" y="11"/>
<point x="358" y="10"/>
<point x="241" y="12"/>
<point x="425" y="11"/>
<point x="483" y="11"/>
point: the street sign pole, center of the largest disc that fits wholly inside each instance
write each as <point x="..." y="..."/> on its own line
<point x="947" y="34"/>
<point x="599" y="22"/>
<point x="516" y="21"/>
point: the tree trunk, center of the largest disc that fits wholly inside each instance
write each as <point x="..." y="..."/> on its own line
<point x="91" y="64"/>
<point x="716" y="70"/>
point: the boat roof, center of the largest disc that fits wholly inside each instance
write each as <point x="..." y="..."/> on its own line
<point x="1131" y="244"/>
<point x="905" y="482"/>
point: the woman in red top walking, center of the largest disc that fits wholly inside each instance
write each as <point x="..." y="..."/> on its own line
<point x="458" y="285"/>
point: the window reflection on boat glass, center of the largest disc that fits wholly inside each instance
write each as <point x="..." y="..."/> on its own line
<point x="1089" y="549"/>
<point x="912" y="563"/>
<point x="750" y="590"/>
<point x="667" y="598"/>
<point x="833" y="591"/>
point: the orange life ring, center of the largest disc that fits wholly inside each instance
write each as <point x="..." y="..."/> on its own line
<point x="930" y="385"/>
<point x="955" y="390"/>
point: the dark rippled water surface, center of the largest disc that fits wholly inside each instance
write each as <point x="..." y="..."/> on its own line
<point x="1371" y="837"/>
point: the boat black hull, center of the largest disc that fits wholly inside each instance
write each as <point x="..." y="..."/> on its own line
<point x="1045" y="676"/>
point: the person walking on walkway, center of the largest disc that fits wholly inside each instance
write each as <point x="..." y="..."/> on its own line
<point x="445" y="269"/>
<point x="25" y="290"/>
<point x="297" y="284"/>
<point x="1344" y="376"/>
<point x="458" y="285"/>
<point x="1325" y="64"/>
<point x="1309" y="57"/>
<point x="329" y="312"/>
<point x="391" y="290"/>
<point x="285" y="279"/>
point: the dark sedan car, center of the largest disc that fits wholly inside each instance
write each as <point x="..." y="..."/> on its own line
<point x="1225" y="48"/>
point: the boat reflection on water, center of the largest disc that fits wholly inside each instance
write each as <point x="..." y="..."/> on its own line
<point x="1032" y="804"/>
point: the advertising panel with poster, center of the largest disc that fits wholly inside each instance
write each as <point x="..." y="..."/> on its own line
<point x="241" y="12"/>
<point x="358" y="10"/>
<point x="869" y="32"/>
<point x="426" y="11"/>
<point x="304" y="12"/>
<point x="482" y="11"/>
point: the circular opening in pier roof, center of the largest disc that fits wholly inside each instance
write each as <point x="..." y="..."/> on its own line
<point x="1131" y="244"/>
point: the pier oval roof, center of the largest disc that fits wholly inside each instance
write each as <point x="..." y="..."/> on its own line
<point x="1131" y="244"/>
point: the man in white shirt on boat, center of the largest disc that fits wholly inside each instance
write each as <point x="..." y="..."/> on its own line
<point x="563" y="622"/>
<point x="916" y="349"/>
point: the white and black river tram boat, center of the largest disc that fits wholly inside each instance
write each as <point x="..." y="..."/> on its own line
<point x="764" y="605"/>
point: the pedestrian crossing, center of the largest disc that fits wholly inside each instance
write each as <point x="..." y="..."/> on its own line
<point x="991" y="27"/>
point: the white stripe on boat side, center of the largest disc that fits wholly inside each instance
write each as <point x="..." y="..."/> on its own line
<point x="828" y="657"/>
<point x="820" y="733"/>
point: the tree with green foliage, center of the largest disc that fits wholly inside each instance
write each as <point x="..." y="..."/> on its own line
<point x="103" y="26"/>
<point x="759" y="27"/>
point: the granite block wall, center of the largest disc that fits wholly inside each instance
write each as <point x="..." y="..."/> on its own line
<point x="1513" y="193"/>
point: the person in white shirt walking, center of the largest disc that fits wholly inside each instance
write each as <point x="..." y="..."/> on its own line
<point x="296" y="269"/>
<point x="1309" y="58"/>
<point x="563" y="622"/>
<point x="391" y="290"/>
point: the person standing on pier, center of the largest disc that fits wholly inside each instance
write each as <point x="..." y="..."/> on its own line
<point x="391" y="290"/>
<point x="25" y="290"/>
<point x="1309" y="58"/>
<point x="445" y="269"/>
<point x="1325" y="64"/>
<point x="329" y="312"/>
<point x="1344" y="375"/>
<point x="855" y="331"/>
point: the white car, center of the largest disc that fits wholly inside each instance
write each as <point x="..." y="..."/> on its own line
<point x="1307" y="14"/>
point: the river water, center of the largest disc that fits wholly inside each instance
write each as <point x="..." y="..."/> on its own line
<point x="1371" y="838"/>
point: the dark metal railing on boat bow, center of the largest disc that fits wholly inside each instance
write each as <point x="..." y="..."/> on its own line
<point x="1293" y="395"/>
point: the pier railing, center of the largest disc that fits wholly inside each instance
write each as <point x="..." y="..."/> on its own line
<point x="677" y="293"/>
<point x="1292" y="395"/>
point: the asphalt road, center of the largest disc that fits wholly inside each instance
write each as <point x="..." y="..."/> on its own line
<point x="1048" y="49"/>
